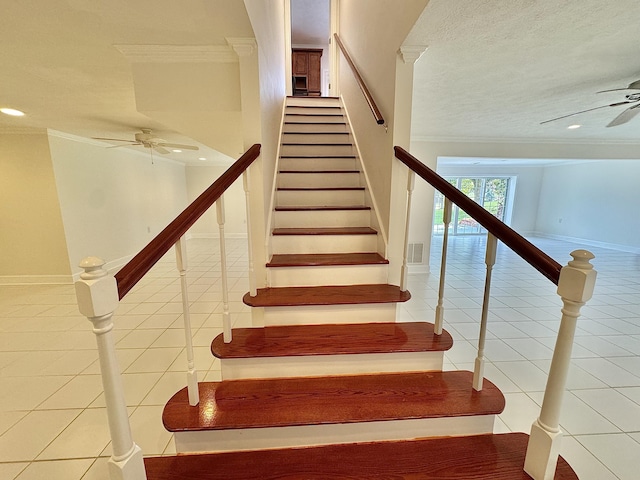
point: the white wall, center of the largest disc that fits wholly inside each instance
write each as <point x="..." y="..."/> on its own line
<point x="113" y="201"/>
<point x="32" y="241"/>
<point x="593" y="201"/>
<point x="199" y="178"/>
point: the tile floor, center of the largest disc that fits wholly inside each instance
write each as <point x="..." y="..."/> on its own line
<point x="52" y="416"/>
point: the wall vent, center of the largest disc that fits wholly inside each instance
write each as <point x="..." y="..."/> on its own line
<point x="414" y="252"/>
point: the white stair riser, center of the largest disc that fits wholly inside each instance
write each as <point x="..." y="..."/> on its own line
<point x="322" y="218"/>
<point x="319" y="198"/>
<point x="319" y="180"/>
<point x="313" y="101"/>
<point x="324" y="243"/>
<point x="325" y="275"/>
<point x="311" y="164"/>
<point x="321" y="365"/>
<point x="337" y="314"/>
<point x="314" y="118"/>
<point x="314" y="127"/>
<point x="307" y="435"/>
<point x="312" y="138"/>
<point x="319" y="150"/>
<point x="314" y="110"/>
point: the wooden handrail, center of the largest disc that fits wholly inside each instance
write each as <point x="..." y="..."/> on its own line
<point x="367" y="95"/>
<point x="529" y="252"/>
<point x="139" y="265"/>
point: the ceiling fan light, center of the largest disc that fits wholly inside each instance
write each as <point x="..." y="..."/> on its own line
<point x="12" y="111"/>
<point x="202" y="158"/>
<point x="573" y="127"/>
<point x="175" y="150"/>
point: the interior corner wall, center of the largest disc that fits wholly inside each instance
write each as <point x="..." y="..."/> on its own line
<point x="373" y="46"/>
<point x="199" y="178"/>
<point x="595" y="201"/>
<point x="113" y="201"/>
<point x="32" y="239"/>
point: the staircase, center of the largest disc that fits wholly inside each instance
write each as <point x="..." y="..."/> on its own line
<point x="331" y="385"/>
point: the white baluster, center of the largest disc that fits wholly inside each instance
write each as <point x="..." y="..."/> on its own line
<point x="575" y="287"/>
<point x="97" y="295"/>
<point x="446" y="220"/>
<point x="253" y="291"/>
<point x="226" y="317"/>
<point x="411" y="180"/>
<point x="192" y="374"/>
<point x="490" y="260"/>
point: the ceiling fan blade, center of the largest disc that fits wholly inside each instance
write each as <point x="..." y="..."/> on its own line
<point x="588" y="110"/>
<point x="632" y="86"/>
<point x="115" y="140"/>
<point x="131" y="145"/>
<point x="160" y="149"/>
<point x="178" y="145"/>
<point x="625" y="116"/>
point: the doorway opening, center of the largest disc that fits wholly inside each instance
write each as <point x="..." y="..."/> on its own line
<point x="310" y="57"/>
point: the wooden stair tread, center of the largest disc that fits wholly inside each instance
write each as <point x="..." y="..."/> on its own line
<point x="307" y="208"/>
<point x="317" y="156"/>
<point x="344" y="339"/>
<point x="318" y="189"/>
<point x="325" y="231"/>
<point x="297" y="401"/>
<point x="325" y="259"/>
<point x="326" y="295"/>
<point x="319" y="171"/>
<point x="476" y="457"/>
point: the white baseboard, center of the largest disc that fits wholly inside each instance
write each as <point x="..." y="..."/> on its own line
<point x="588" y="242"/>
<point x="36" y="279"/>
<point x="418" y="268"/>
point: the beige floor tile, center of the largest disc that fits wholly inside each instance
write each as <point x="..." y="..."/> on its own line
<point x="9" y="471"/>
<point x="78" y="393"/>
<point x="56" y="470"/>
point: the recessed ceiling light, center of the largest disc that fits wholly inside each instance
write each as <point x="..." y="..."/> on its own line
<point x="202" y="158"/>
<point x="12" y="111"/>
<point x="175" y="150"/>
<point x="573" y="127"/>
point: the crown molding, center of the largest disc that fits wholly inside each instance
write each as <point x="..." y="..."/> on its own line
<point x="411" y="53"/>
<point x="519" y="140"/>
<point x="178" y="53"/>
<point x="243" y="46"/>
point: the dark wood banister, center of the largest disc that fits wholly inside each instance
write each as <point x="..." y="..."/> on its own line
<point x="529" y="252"/>
<point x="139" y="265"/>
<point x="363" y="86"/>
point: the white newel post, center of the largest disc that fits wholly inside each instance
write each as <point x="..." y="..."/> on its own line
<point x="575" y="287"/>
<point x="253" y="289"/>
<point x="490" y="261"/>
<point x="192" y="374"/>
<point x="97" y="295"/>
<point x="446" y="220"/>
<point x="411" y="181"/>
<point x="226" y="317"/>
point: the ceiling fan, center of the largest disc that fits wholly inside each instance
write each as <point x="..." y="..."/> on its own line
<point x="625" y="116"/>
<point x="148" y="140"/>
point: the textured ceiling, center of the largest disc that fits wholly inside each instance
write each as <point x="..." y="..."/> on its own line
<point x="309" y="22"/>
<point x="495" y="69"/>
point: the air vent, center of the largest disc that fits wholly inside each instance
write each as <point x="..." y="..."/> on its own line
<point x="414" y="252"/>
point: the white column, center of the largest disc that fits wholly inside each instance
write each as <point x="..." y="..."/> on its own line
<point x="253" y="291"/>
<point x="446" y="220"/>
<point x="192" y="374"/>
<point x="226" y="317"/>
<point x="97" y="295"/>
<point x="575" y="287"/>
<point x="411" y="181"/>
<point x="490" y="260"/>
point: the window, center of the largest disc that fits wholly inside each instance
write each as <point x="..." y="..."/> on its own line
<point x="490" y="192"/>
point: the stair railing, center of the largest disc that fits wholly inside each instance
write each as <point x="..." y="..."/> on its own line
<point x="361" y="83"/>
<point x="575" y="283"/>
<point x="99" y="294"/>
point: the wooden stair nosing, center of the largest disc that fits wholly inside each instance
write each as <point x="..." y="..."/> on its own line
<point x="325" y="231"/>
<point x="311" y="208"/>
<point x="326" y="295"/>
<point x="298" y="401"/>
<point x="323" y="172"/>
<point x="343" y="339"/>
<point x="326" y="259"/>
<point x="314" y="189"/>
<point x="315" y="144"/>
<point x="477" y="457"/>
<point x="317" y="156"/>
<point x="316" y="133"/>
